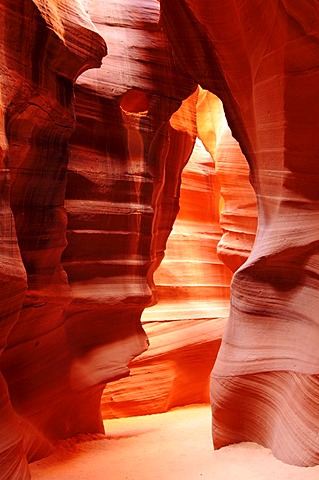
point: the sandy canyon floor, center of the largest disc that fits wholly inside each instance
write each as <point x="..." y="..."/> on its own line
<point x="171" y="446"/>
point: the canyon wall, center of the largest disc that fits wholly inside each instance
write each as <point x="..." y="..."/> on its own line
<point x="238" y="208"/>
<point x="217" y="219"/>
<point x="123" y="181"/>
<point x="110" y="195"/>
<point x="261" y="60"/>
<point x="126" y="156"/>
<point x="91" y="165"/>
<point x="186" y="325"/>
<point x="44" y="47"/>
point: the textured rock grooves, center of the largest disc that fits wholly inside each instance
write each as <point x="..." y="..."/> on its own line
<point x="65" y="337"/>
<point x="186" y="325"/>
<point x="126" y="159"/>
<point x="261" y="60"/>
<point x="85" y="218"/>
<point x="42" y="52"/>
<point x="237" y="204"/>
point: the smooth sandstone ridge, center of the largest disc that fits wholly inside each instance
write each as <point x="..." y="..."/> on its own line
<point x="261" y="59"/>
<point x="44" y="47"/>
<point x="186" y="326"/>
<point x="104" y="200"/>
<point x="92" y="149"/>
<point x="132" y="139"/>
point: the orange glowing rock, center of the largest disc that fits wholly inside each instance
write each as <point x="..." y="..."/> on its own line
<point x="85" y="219"/>
<point x="126" y="157"/>
<point x="192" y="283"/>
<point x="186" y="325"/>
<point x="44" y="46"/>
<point x="79" y="325"/>
<point x="238" y="209"/>
<point x="261" y="60"/>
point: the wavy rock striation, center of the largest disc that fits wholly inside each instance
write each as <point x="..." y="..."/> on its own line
<point x="261" y="60"/>
<point x="106" y="200"/>
<point x="69" y="329"/>
<point x="186" y="326"/>
<point x="238" y="209"/>
<point x="132" y="139"/>
<point x="44" y="47"/>
<point x="192" y="284"/>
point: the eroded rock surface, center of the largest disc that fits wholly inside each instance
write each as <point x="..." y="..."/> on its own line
<point x="261" y="60"/>
<point x="112" y="193"/>
<point x="186" y="325"/>
<point x="69" y="329"/>
<point x="44" y="47"/>
<point x="238" y="208"/>
<point x="126" y="158"/>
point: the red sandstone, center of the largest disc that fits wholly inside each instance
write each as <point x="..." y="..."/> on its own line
<point x="92" y="149"/>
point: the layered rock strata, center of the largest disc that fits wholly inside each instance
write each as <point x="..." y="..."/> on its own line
<point x="44" y="47"/>
<point x="217" y="215"/>
<point x="261" y="60"/>
<point x="132" y="139"/>
<point x="186" y="325"/>
<point x="63" y="337"/>
<point x="238" y="208"/>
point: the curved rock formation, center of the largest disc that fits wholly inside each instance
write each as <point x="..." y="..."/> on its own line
<point x="126" y="157"/>
<point x="238" y="209"/>
<point x="261" y="60"/>
<point x="112" y="193"/>
<point x="186" y="325"/>
<point x="44" y="46"/>
<point x="75" y="333"/>
<point x="192" y="284"/>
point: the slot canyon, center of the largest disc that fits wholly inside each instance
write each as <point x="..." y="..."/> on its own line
<point x="159" y="199"/>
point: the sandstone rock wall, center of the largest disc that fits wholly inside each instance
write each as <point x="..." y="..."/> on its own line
<point x="106" y="199"/>
<point x="44" y="46"/>
<point x="185" y="327"/>
<point x="79" y="324"/>
<point x="238" y="209"/>
<point x="261" y="60"/>
<point x="126" y="157"/>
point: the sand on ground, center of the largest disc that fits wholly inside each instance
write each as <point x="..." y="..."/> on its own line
<point x="175" y="445"/>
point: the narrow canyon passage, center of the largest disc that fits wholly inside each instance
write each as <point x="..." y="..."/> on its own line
<point x="115" y="303"/>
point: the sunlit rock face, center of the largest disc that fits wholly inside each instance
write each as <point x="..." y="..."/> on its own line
<point x="261" y="59"/>
<point x="44" y="46"/>
<point x="105" y="200"/>
<point x="116" y="210"/>
<point x="132" y="139"/>
<point x="238" y="208"/>
<point x="186" y="325"/>
<point x="110" y="194"/>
